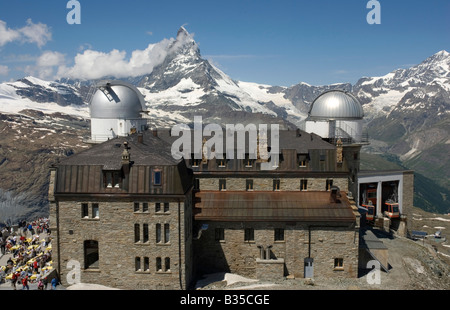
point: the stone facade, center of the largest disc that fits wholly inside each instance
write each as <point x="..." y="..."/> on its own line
<point x="408" y="191"/>
<point x="118" y="250"/>
<point x="301" y="240"/>
<point x="266" y="184"/>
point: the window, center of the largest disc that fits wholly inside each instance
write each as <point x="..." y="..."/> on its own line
<point x="303" y="185"/>
<point x="167" y="264"/>
<point x="157" y="207"/>
<point x="137" y="207"/>
<point x="279" y="234"/>
<point x="91" y="254"/>
<point x="219" y="234"/>
<point x="158" y="264"/>
<point x="249" y="234"/>
<point x="329" y="184"/>
<point x="112" y="179"/>
<point x="166" y="207"/>
<point x="249" y="185"/>
<point x="338" y="263"/>
<point x="95" y="212"/>
<point x="138" y="264"/>
<point x="276" y="185"/>
<point x="194" y="161"/>
<point x="145" y="238"/>
<point x="137" y="234"/>
<point x="156" y="177"/>
<point x="166" y="233"/>
<point x="221" y="162"/>
<point x="84" y="210"/>
<point x="146" y="264"/>
<point x="222" y="185"/>
<point x="158" y="233"/>
<point x="196" y="184"/>
<point x="248" y="161"/>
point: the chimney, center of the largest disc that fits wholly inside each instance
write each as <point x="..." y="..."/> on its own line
<point x="126" y="159"/>
<point x="335" y="194"/>
<point x="140" y="138"/>
<point x="155" y="132"/>
<point x="125" y="154"/>
<point x="299" y="133"/>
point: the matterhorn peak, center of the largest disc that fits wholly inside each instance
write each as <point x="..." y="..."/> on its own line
<point x="185" y="44"/>
<point x="183" y="36"/>
<point x="182" y="32"/>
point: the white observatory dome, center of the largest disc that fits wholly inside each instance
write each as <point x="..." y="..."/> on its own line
<point x="336" y="105"/>
<point x="117" y="99"/>
<point x="335" y="115"/>
<point x="116" y="110"/>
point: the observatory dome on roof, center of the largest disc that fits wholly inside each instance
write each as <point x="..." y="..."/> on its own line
<point x="116" y="100"/>
<point x="336" y="104"/>
<point x="117" y="110"/>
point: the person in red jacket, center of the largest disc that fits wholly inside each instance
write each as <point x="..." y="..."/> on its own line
<point x="25" y="283"/>
<point x="14" y="280"/>
<point x="36" y="266"/>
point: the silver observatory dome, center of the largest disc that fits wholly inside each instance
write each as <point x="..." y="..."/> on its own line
<point x="336" y="105"/>
<point x="116" y="100"/>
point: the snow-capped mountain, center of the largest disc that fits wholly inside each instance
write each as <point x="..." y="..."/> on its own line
<point x="186" y="84"/>
<point x="397" y="89"/>
<point x="44" y="96"/>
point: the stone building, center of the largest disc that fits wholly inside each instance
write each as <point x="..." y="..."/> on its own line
<point x="132" y="216"/>
<point x="123" y="211"/>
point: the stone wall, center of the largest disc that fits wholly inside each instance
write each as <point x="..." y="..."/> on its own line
<point x="114" y="230"/>
<point x="266" y="184"/>
<point x="408" y="192"/>
<point x="234" y="254"/>
<point x="270" y="269"/>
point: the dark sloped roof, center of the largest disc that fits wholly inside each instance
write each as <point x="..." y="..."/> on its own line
<point x="153" y="151"/>
<point x="272" y="206"/>
<point x="288" y="139"/>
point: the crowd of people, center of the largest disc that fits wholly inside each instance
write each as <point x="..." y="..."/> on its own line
<point x="30" y="250"/>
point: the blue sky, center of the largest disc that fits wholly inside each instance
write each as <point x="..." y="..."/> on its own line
<point x="273" y="42"/>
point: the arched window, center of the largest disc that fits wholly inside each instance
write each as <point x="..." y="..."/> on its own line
<point x="91" y="256"/>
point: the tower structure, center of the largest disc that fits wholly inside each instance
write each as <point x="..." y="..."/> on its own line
<point x="337" y="117"/>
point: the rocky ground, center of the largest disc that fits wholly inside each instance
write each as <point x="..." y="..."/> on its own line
<point x="30" y="142"/>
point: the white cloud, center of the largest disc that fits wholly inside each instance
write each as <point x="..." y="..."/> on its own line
<point x="7" y="35"/>
<point x="4" y="70"/>
<point x="46" y="65"/>
<point x="94" y="64"/>
<point x="50" y="59"/>
<point x="38" y="33"/>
